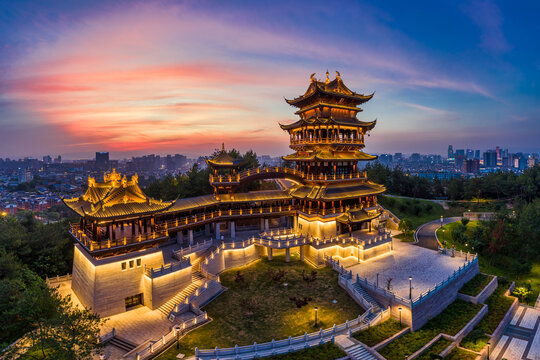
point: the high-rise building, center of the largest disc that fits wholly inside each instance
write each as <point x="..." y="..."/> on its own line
<point x="490" y="159"/>
<point x="477" y="154"/>
<point x="450" y="153"/>
<point x="471" y="166"/>
<point x="102" y="160"/>
<point x="47" y="159"/>
<point x="470" y="154"/>
<point x="398" y="157"/>
<point x="58" y="160"/>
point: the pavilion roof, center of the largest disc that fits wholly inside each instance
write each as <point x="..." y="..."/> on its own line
<point x="334" y="192"/>
<point x="330" y="121"/>
<point x="335" y="88"/>
<point x="356" y="216"/>
<point x="223" y="160"/>
<point x="209" y="200"/>
<point x="329" y="155"/>
<point x="115" y="197"/>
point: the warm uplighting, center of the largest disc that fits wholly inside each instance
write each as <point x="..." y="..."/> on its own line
<point x="4" y="214"/>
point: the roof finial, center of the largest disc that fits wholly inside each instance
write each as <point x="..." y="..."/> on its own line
<point x="338" y="75"/>
<point x="327" y="77"/>
<point x="312" y="77"/>
<point x="223" y="147"/>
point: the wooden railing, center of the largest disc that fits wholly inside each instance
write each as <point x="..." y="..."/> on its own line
<point x="86" y="238"/>
<point x="206" y="217"/>
<point x="336" y="141"/>
<point x="236" y="178"/>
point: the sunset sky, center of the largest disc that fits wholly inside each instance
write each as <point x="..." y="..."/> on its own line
<point x="182" y="77"/>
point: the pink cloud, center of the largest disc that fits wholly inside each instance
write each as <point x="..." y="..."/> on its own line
<point x="170" y="78"/>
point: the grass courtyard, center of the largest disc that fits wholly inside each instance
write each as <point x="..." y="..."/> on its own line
<point x="258" y="307"/>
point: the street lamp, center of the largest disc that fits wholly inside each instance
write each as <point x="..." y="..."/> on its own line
<point x="488" y="344"/>
<point x="406" y="356"/>
<point x="377" y="279"/>
<point x="410" y="287"/>
<point x="441" y="220"/>
<point x="177" y="330"/>
<point x="316" y="310"/>
<point x="399" y="317"/>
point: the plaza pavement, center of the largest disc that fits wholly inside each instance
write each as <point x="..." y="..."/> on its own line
<point x="427" y="268"/>
<point x="521" y="338"/>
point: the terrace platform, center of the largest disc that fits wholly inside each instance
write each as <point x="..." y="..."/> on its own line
<point x="427" y="268"/>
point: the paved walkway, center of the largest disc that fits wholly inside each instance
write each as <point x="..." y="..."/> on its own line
<point x="427" y="268"/>
<point x="426" y="232"/>
<point x="521" y="338"/>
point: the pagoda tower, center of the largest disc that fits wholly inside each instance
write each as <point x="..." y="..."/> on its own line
<point x="328" y="140"/>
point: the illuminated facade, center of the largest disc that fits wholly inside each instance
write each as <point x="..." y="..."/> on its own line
<point x="130" y="248"/>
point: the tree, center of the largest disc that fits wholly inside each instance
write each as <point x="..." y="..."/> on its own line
<point x="405" y="225"/>
<point x="57" y="329"/>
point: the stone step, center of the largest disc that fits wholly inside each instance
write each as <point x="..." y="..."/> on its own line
<point x="122" y="344"/>
<point x="166" y="308"/>
<point x="365" y="295"/>
<point x="358" y="352"/>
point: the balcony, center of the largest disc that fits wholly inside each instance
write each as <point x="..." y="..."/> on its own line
<point x="86" y="239"/>
<point x="235" y="179"/>
<point x="327" y="141"/>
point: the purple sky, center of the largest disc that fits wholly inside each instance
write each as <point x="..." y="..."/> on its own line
<point x="182" y="77"/>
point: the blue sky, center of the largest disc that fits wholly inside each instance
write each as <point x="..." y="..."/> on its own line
<point x="181" y="77"/>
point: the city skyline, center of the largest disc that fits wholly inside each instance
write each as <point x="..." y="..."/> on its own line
<point x="134" y="78"/>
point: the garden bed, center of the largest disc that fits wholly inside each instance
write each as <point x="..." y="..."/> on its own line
<point x="449" y="322"/>
<point x="475" y="286"/>
<point x="460" y="354"/>
<point x="258" y="308"/>
<point x="378" y="333"/>
<point x="436" y="349"/>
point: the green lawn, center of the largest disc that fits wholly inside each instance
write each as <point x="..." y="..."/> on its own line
<point x="474" y="341"/>
<point x="326" y="351"/>
<point x="450" y="322"/>
<point x="379" y="332"/>
<point x="444" y="234"/>
<point x="259" y="308"/>
<point x="417" y="211"/>
<point x="475" y="286"/>
<point x="486" y="266"/>
<point x="435" y="349"/>
<point x="498" y="306"/>
<point x="460" y="354"/>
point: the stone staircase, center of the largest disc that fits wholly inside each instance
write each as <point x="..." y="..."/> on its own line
<point x="366" y="296"/>
<point x="196" y="279"/>
<point x="358" y="352"/>
<point x="121" y="343"/>
<point x="371" y="316"/>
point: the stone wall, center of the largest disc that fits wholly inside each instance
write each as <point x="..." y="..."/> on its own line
<point x="103" y="285"/>
<point x="83" y="277"/>
<point x="159" y="290"/>
<point x="430" y="307"/>
<point x="436" y="303"/>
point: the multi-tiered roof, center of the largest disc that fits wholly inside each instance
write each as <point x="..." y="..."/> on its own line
<point x="328" y="129"/>
<point x="115" y="197"/>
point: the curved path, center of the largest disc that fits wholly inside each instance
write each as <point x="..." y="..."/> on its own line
<point x="425" y="234"/>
